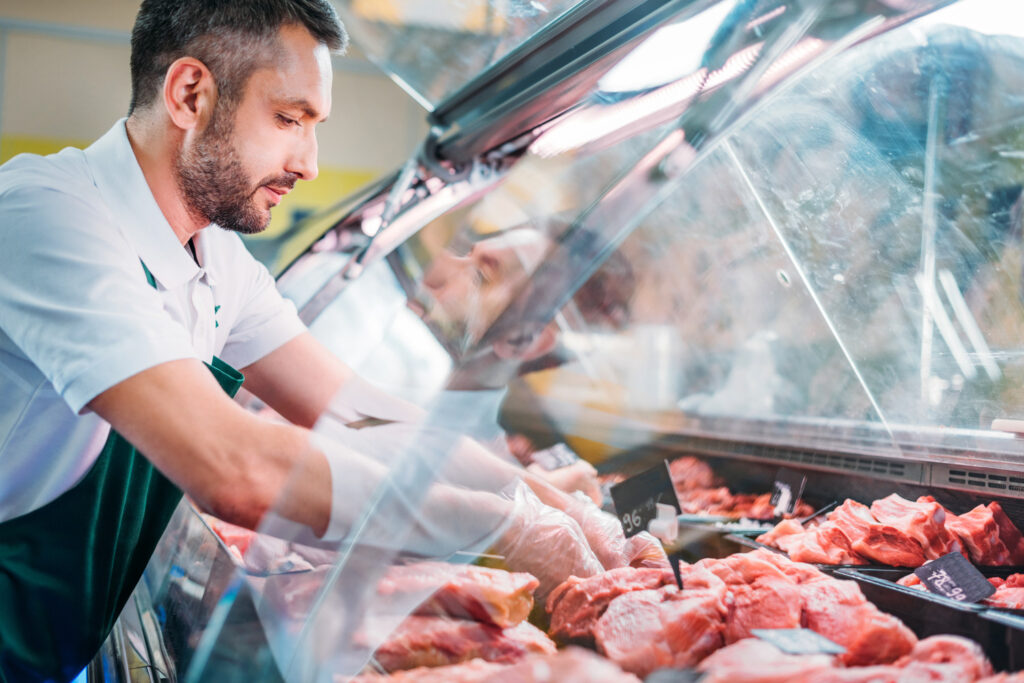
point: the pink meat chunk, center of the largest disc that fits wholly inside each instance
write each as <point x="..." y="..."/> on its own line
<point x="979" y="532"/>
<point x="577" y="604"/>
<point x="961" y="653"/>
<point x="840" y="612"/>
<point x="924" y="521"/>
<point x="666" y="628"/>
<point x="757" y="661"/>
<point x="438" y="641"/>
<point x="492" y="596"/>
<point x="881" y="543"/>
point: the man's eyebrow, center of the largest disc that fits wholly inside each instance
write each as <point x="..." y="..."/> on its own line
<point x="303" y="104"/>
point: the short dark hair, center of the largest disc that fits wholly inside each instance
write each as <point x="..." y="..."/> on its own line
<point x="231" y="37"/>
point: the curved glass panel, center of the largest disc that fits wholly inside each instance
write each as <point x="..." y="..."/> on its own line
<point x="835" y="267"/>
<point x="432" y="49"/>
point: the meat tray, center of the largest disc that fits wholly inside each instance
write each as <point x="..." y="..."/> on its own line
<point x="928" y="614"/>
<point x="1014" y="637"/>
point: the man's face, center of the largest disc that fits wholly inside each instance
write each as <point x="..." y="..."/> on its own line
<point x="471" y="291"/>
<point x="250" y="155"/>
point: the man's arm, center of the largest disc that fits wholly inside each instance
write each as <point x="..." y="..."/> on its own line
<point x="302" y="379"/>
<point x="239" y="466"/>
<point x="228" y="460"/>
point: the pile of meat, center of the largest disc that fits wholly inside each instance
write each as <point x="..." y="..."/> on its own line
<point x="901" y="533"/>
<point x="699" y="493"/>
<point x="1009" y="591"/>
<point x="944" y="659"/>
<point x="642" y="621"/>
<point x="471" y="626"/>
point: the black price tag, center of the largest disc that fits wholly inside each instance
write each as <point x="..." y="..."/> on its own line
<point x="636" y="498"/>
<point x="556" y="457"/>
<point x="674" y="676"/>
<point x="953" y="576"/>
<point x="799" y="641"/>
<point x="787" y="491"/>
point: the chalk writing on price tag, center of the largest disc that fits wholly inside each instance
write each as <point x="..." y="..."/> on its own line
<point x="636" y="499"/>
<point x="953" y="576"/>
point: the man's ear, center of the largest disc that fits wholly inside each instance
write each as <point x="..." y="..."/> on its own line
<point x="189" y="93"/>
<point x="526" y="345"/>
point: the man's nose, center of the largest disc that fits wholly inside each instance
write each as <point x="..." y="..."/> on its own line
<point x="303" y="161"/>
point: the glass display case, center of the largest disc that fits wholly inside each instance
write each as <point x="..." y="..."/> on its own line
<point x="772" y="234"/>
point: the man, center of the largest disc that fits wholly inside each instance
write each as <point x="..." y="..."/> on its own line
<point x="116" y="289"/>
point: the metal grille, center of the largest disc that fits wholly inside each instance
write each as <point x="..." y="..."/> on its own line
<point x="1004" y="483"/>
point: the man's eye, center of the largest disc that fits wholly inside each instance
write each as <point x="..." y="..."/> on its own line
<point x="286" y="120"/>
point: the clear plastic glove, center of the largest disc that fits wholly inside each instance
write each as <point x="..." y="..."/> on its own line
<point x="579" y="476"/>
<point x="604" y="533"/>
<point x="546" y="543"/>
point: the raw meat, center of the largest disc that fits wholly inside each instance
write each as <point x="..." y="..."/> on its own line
<point x="966" y="655"/>
<point x="979" y="532"/>
<point x="988" y="535"/>
<point x="879" y="542"/>
<point x="839" y="611"/>
<point x="757" y="661"/>
<point x="473" y="671"/>
<point x="437" y="641"/>
<point x="665" y="628"/>
<point x="1009" y="534"/>
<point x="924" y="521"/>
<point x="1009" y="592"/>
<point x="768" y="602"/>
<point x="690" y="473"/>
<point x="1004" y="678"/>
<point x="577" y="604"/>
<point x="822" y="544"/>
<point x="571" y="665"/>
<point x="492" y="596"/>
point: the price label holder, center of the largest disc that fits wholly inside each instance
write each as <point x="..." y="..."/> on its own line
<point x="674" y="676"/>
<point x="637" y="498"/>
<point x="799" y="641"/>
<point x="787" y="491"/>
<point x="556" y="457"/>
<point x="953" y="576"/>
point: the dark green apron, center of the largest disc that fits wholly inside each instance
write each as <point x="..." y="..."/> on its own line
<point x="68" y="568"/>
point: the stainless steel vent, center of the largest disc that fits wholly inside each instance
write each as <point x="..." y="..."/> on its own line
<point x="1001" y="483"/>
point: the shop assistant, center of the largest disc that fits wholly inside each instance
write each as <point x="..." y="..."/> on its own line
<point x="127" y="301"/>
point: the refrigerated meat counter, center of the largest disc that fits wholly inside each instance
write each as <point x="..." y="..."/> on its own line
<point x="757" y="234"/>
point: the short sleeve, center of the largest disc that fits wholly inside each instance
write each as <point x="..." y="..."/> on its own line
<point x="74" y="296"/>
<point x="265" y="320"/>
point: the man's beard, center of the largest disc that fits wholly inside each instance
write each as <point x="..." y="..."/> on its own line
<point x="214" y="184"/>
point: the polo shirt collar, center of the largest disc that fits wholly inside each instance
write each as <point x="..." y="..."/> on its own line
<point x="123" y="187"/>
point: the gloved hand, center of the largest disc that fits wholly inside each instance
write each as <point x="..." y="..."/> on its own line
<point x="545" y="542"/>
<point x="604" y="533"/>
<point x="580" y="476"/>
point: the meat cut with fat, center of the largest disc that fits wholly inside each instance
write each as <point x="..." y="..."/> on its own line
<point x="571" y="665"/>
<point x="492" y="596"/>
<point x="757" y="661"/>
<point x="924" y="521"/>
<point x="1009" y="592"/>
<point x="577" y="604"/>
<point x="839" y="611"/>
<point x="964" y="654"/>
<point x="438" y="641"/>
<point x="666" y="628"/>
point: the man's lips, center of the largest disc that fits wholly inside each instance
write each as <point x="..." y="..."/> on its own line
<point x="276" y="193"/>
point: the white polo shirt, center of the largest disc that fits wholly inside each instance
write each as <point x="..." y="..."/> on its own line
<point x="77" y="315"/>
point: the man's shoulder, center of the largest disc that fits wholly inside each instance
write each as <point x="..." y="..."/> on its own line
<point x="66" y="172"/>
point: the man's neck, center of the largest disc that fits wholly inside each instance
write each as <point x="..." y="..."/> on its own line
<point x="156" y="149"/>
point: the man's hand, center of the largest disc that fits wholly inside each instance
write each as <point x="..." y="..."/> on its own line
<point x="579" y="476"/>
<point x="545" y="542"/>
<point x="605" y="535"/>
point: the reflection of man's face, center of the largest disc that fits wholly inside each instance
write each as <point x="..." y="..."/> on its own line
<point x="470" y="292"/>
